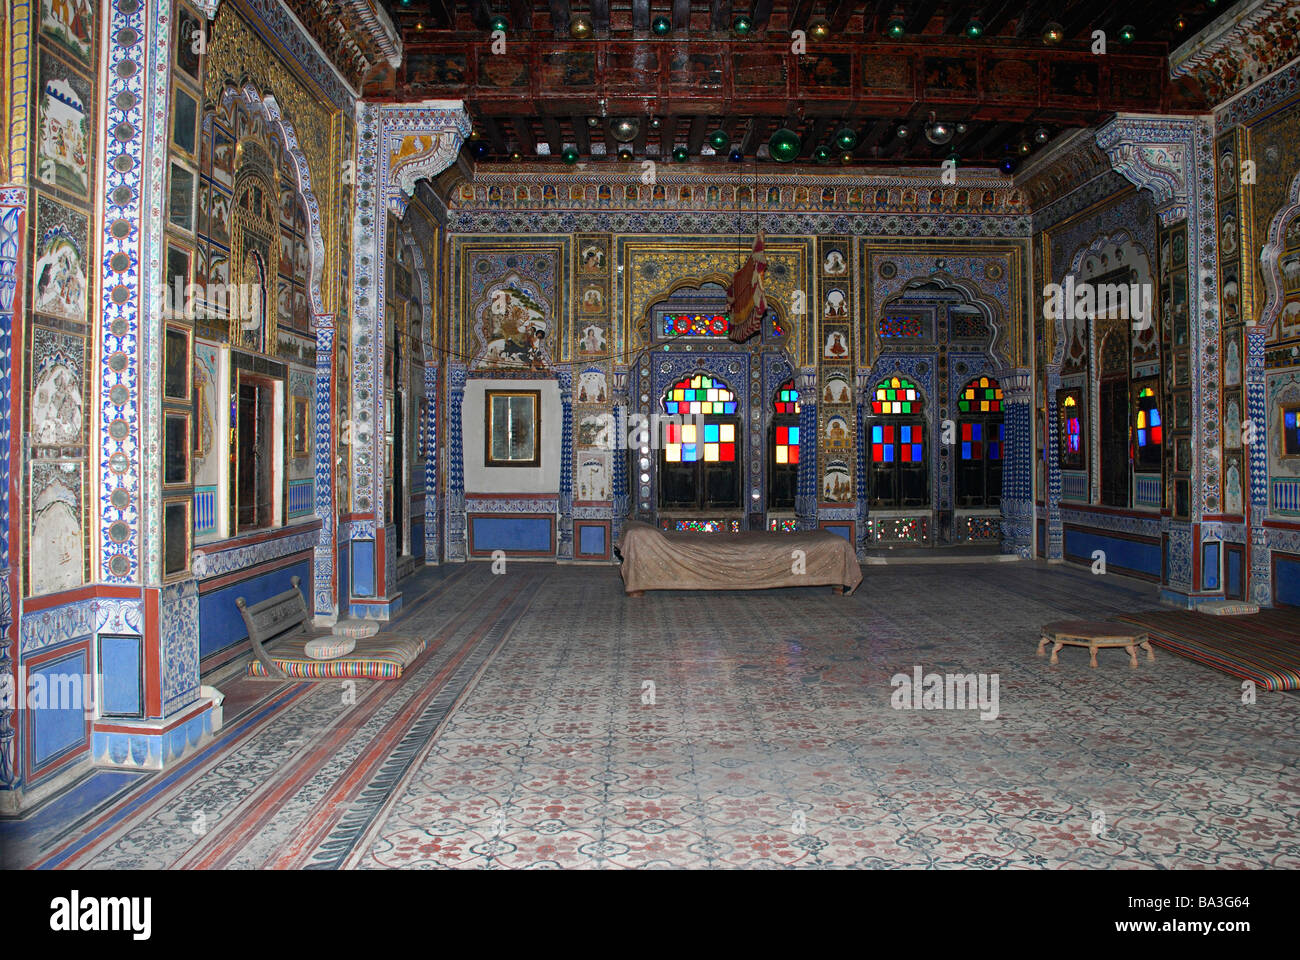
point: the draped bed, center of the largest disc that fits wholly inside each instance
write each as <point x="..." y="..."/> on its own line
<point x="655" y="560"/>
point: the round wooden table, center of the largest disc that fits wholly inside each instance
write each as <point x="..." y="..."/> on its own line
<point x="1095" y="634"/>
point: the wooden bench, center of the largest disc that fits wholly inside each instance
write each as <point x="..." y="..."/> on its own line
<point x="276" y="618"/>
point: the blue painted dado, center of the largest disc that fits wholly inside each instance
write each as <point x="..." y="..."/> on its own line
<point x="57" y="715"/>
<point x="513" y="534"/>
<point x="220" y="624"/>
<point x="1122" y="556"/>
<point x="1286" y="582"/>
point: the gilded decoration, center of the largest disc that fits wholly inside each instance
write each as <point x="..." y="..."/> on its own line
<point x="237" y="57"/>
<point x="653" y="269"/>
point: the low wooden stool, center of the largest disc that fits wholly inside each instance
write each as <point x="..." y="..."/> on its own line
<point x="1095" y="634"/>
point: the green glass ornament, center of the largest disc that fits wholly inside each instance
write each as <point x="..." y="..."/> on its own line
<point x="569" y="155"/>
<point x="784" y="145"/>
<point x="719" y="139"/>
<point x="846" y="138"/>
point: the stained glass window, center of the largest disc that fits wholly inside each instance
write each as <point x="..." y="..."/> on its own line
<point x="982" y="395"/>
<point x="783" y="468"/>
<point x="896" y="395"/>
<point x="700" y="394"/>
<point x="1069" y="411"/>
<point x="694" y="325"/>
<point x="787" y="399"/>
<point x="1291" y="431"/>
<point x="1148" y="429"/>
<point x="711" y="442"/>
<point x="898" y="468"/>
<point x="699" y="453"/>
<point x="979" y="444"/>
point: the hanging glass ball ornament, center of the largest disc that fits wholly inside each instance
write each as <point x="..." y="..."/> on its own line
<point x="681" y="154"/>
<point x="736" y="155"/>
<point x="661" y="26"/>
<point x="822" y="154"/>
<point x="846" y="138"/>
<point x="569" y="155"/>
<point x="580" y="28"/>
<point x="720" y="139"/>
<point x="784" y="145"/>
<point x="743" y="26"/>
<point x="499" y="23"/>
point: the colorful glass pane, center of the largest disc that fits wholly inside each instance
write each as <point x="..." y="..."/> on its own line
<point x="787" y="399"/>
<point x="694" y="325"/>
<point x="700" y="394"/>
<point x="897" y="395"/>
<point x="981" y="395"/>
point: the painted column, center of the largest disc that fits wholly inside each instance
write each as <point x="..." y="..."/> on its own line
<point x="325" y="561"/>
<point x="862" y="382"/>
<point x="1173" y="157"/>
<point x="805" y="501"/>
<point x="1017" y="463"/>
<point x="397" y="146"/>
<point x="564" y="537"/>
<point x="456" y="544"/>
<point x="622" y="441"/>
<point x="429" y="432"/>
<point x="13" y="219"/>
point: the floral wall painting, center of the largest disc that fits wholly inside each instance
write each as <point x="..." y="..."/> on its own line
<point x="56" y="543"/>
<point x="59" y="275"/>
<point x="63" y="137"/>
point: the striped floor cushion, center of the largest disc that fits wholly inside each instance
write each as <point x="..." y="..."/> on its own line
<point x="329" y="647"/>
<point x="1263" y="648"/>
<point x="374" y="658"/>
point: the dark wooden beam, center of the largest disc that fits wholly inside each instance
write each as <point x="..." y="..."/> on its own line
<point x="600" y="17"/>
<point x="921" y="16"/>
<point x="880" y="132"/>
<point x="551" y="127"/>
<point x="1035" y="13"/>
<point x="699" y="127"/>
<point x="479" y="13"/>
<point x="799" y="14"/>
<point x="521" y="16"/>
<point x="840" y="13"/>
<point x="721" y="14"/>
<point x="494" y="136"/>
<point x="638" y="144"/>
<point x="527" y="145"/>
<point x="884" y="10"/>
<point x="641" y="16"/>
<point x="559" y="17"/>
<point x="668" y="136"/>
<point x="762" y="13"/>
<point x="750" y="139"/>
<point x="581" y="136"/>
<point x="998" y="19"/>
<point x="682" y="16"/>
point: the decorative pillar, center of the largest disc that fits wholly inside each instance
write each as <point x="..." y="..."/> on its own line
<point x="806" y="487"/>
<point x="622" y="441"/>
<point x="429" y="438"/>
<point x="1017" y="463"/>
<point x="397" y="146"/>
<point x="13" y="220"/>
<point x="456" y="543"/>
<point x="862" y="385"/>
<point x="564" y="537"/>
<point x="325" y="559"/>
<point x="1173" y="157"/>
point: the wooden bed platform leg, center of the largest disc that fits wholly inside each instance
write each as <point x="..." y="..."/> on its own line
<point x="838" y="591"/>
<point x="636" y="594"/>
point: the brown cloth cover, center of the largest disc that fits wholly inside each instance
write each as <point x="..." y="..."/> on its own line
<point x="654" y="560"/>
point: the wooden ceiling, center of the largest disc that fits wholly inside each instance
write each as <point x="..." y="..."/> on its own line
<point x="547" y="90"/>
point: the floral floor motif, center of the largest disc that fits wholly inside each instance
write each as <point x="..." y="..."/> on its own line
<point x="556" y="723"/>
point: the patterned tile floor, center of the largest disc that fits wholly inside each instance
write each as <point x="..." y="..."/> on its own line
<point x="524" y="739"/>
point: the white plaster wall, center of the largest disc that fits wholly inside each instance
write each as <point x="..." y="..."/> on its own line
<point x="482" y="479"/>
